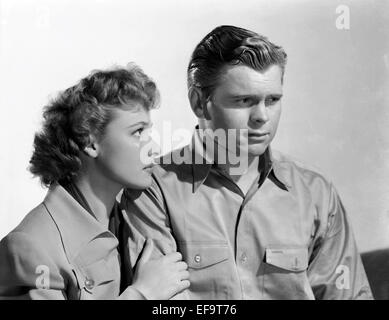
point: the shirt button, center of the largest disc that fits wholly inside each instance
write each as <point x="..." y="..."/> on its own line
<point x="243" y="258"/>
<point x="197" y="258"/>
<point x="89" y="284"/>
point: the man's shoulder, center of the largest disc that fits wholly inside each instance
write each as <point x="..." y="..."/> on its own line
<point x="178" y="164"/>
<point x="291" y="160"/>
<point x="295" y="170"/>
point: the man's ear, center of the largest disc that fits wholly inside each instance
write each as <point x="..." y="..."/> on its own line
<point x="92" y="148"/>
<point x="198" y="103"/>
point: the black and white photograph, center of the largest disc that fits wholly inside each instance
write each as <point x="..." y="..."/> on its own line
<point x="194" y="150"/>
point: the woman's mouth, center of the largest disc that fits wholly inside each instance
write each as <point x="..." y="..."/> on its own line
<point x="149" y="167"/>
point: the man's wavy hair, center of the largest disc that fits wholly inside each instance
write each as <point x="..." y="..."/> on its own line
<point x="229" y="45"/>
<point x="81" y="110"/>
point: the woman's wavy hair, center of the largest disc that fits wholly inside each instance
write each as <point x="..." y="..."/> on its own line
<point x="84" y="109"/>
<point x="229" y="45"/>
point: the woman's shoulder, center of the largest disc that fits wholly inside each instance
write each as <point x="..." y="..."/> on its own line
<point x="37" y="231"/>
<point x="33" y="259"/>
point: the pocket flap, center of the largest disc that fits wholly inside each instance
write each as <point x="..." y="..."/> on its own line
<point x="202" y="255"/>
<point x="98" y="273"/>
<point x="293" y="259"/>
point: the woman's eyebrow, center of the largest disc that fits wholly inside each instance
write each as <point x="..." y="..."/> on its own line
<point x="144" y="123"/>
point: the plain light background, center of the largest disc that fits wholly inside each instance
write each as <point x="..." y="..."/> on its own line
<point x="335" y="105"/>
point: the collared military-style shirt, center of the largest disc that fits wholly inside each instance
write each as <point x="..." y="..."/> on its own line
<point x="288" y="238"/>
<point x="60" y="251"/>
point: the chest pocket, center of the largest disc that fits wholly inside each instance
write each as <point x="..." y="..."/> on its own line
<point x="209" y="267"/>
<point x="203" y="255"/>
<point x="295" y="259"/>
<point x="285" y="273"/>
<point x="99" y="280"/>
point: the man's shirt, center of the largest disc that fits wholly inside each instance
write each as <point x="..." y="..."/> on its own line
<point x="288" y="238"/>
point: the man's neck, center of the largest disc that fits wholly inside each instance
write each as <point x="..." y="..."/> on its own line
<point x="249" y="169"/>
<point x="245" y="179"/>
<point x="243" y="170"/>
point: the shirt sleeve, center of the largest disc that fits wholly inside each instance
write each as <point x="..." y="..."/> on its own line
<point x="146" y="217"/>
<point x="336" y="271"/>
<point x="27" y="272"/>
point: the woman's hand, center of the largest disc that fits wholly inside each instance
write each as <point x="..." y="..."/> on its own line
<point x="163" y="278"/>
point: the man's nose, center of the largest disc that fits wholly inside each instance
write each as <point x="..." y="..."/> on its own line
<point x="259" y="113"/>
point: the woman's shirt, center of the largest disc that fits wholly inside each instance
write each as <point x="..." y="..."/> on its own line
<point x="60" y="251"/>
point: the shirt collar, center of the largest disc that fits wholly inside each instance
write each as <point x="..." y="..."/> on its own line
<point x="78" y="228"/>
<point x="202" y="163"/>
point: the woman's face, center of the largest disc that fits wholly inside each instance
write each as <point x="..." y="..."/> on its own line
<point x="121" y="151"/>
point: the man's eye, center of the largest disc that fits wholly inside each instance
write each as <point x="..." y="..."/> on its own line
<point x="272" y="100"/>
<point x="245" y="100"/>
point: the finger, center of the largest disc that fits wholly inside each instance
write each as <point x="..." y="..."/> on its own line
<point x="146" y="252"/>
<point x="184" y="275"/>
<point x="184" y="284"/>
<point x="173" y="257"/>
<point x="181" y="266"/>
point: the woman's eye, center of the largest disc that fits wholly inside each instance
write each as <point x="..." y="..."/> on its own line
<point x="138" y="132"/>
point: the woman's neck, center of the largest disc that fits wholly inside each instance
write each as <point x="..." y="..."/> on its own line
<point x="100" y="195"/>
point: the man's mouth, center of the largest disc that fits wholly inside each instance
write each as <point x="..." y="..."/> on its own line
<point x="255" y="135"/>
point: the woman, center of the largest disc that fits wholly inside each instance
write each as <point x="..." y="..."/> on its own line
<point x="89" y="149"/>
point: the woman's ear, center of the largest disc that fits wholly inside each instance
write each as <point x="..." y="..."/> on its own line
<point x="92" y="148"/>
<point x="198" y="103"/>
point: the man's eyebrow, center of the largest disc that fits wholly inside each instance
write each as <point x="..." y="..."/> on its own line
<point x="240" y="96"/>
<point x="254" y="96"/>
<point x="276" y="94"/>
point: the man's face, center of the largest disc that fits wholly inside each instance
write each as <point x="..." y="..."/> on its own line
<point x="247" y="99"/>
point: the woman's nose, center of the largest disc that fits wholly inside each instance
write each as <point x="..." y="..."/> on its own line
<point x="149" y="151"/>
<point x="154" y="150"/>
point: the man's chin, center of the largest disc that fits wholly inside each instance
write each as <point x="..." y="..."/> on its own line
<point x="256" y="151"/>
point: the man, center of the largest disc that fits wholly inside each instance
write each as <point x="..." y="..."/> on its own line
<point x="263" y="227"/>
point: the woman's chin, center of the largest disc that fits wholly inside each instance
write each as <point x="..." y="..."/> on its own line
<point x="142" y="182"/>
